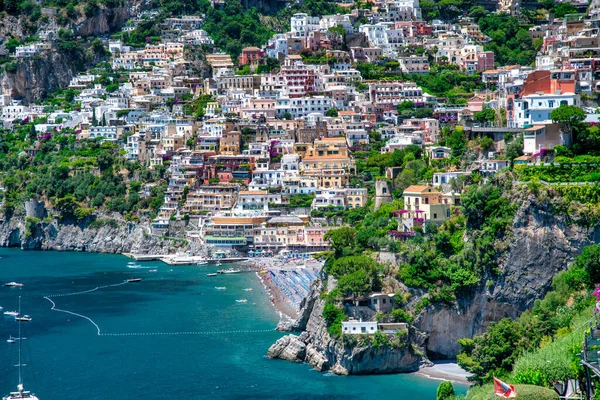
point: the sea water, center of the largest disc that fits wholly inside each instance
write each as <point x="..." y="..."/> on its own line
<point x="172" y="335"/>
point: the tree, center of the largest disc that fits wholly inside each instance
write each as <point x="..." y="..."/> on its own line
<point x="341" y="238"/>
<point x="487" y="143"/>
<point x="332" y="112"/>
<point x="287" y="116"/>
<point x="568" y="116"/>
<point x="497" y="349"/>
<point x="66" y="205"/>
<point x="562" y="9"/>
<point x="355" y="284"/>
<point x="445" y="390"/>
<point x="485" y="115"/>
<point x="589" y="261"/>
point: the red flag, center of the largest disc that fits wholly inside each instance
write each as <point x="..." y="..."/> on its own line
<point x="504" y="389"/>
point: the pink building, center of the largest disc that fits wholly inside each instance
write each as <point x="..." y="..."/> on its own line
<point x="485" y="60"/>
<point x="250" y="55"/>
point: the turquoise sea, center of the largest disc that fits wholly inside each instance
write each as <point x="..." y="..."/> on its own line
<point x="173" y="335"/>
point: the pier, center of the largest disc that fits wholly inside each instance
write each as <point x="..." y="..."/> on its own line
<point x="174" y="259"/>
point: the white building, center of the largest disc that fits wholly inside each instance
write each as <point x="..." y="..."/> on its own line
<point x="354" y="327"/>
<point x="536" y="108"/>
<point x="302" y="24"/>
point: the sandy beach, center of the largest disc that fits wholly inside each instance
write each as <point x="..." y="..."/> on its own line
<point x="271" y="268"/>
<point x="446" y="372"/>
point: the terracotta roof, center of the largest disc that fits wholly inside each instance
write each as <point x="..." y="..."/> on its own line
<point x="420" y="189"/>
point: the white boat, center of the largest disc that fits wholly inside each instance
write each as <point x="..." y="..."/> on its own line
<point x="202" y="263"/>
<point x="241" y="301"/>
<point x="247" y="289"/>
<point x="212" y="274"/>
<point x="153" y="270"/>
<point x="134" y="280"/>
<point x="13" y="284"/>
<point x="11" y="313"/>
<point x="229" y="271"/>
<point x="218" y="264"/>
<point x="11" y="339"/>
<point x="220" y="287"/>
<point x="21" y="393"/>
<point x="24" y="318"/>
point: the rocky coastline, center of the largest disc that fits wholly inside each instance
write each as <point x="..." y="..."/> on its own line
<point x="348" y="355"/>
<point x="543" y="243"/>
<point x="104" y="236"/>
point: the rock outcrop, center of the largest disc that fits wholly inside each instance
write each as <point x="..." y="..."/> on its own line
<point x="117" y="237"/>
<point x="350" y="355"/>
<point x="36" y="77"/>
<point x="542" y="243"/>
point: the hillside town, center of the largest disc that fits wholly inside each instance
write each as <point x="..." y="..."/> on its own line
<point x="262" y="152"/>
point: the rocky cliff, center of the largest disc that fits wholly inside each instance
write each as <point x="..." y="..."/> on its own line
<point x="349" y="354"/>
<point x="36" y="77"/>
<point x="117" y="237"/>
<point x="544" y="240"/>
<point x="543" y="243"/>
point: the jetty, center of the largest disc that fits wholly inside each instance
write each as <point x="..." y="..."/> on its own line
<point x="178" y="259"/>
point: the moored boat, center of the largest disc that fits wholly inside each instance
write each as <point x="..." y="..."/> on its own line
<point x="220" y="287"/>
<point x="24" y="318"/>
<point x="21" y="393"/>
<point x="212" y="274"/>
<point x="241" y="301"/>
<point x="229" y="271"/>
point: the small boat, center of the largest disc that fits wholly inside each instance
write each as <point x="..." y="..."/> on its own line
<point x="218" y="264"/>
<point x="241" y="301"/>
<point x="11" y="313"/>
<point x="247" y="289"/>
<point x="21" y="393"/>
<point x="229" y="271"/>
<point x="134" y="280"/>
<point x="10" y="339"/>
<point x="153" y="270"/>
<point x="13" y="284"/>
<point x="202" y="263"/>
<point x="212" y="274"/>
<point x="24" y="318"/>
<point x="220" y="287"/>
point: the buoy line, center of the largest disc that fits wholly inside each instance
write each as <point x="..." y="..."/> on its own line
<point x="72" y="313"/>
<point x="141" y="333"/>
<point x="87" y="291"/>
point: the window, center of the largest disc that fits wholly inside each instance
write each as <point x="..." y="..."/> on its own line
<point x="434" y="216"/>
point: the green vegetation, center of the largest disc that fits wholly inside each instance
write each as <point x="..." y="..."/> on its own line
<point x="548" y="332"/>
<point x="445" y="391"/>
<point x="524" y="392"/>
<point x="511" y="42"/>
<point x="77" y="177"/>
<point x="301" y="200"/>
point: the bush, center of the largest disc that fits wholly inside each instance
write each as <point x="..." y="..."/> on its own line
<point x="445" y="391"/>
<point x="524" y="392"/>
<point x="10" y="67"/>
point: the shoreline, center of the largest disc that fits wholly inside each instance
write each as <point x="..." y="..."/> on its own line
<point x="287" y="308"/>
<point x="445" y="372"/>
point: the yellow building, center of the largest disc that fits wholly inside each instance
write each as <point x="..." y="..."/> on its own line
<point x="425" y="204"/>
<point x="328" y="160"/>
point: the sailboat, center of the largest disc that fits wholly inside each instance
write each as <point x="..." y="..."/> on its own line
<point x="21" y="393"/>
